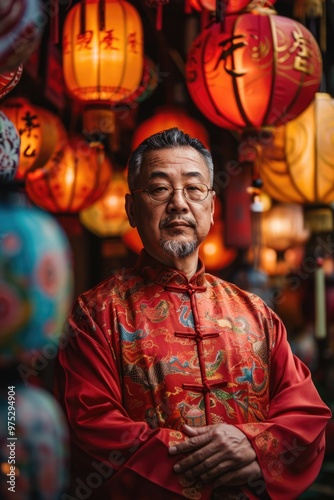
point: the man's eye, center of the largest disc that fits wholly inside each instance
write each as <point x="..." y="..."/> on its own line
<point x="194" y="188"/>
<point x="158" y="189"/>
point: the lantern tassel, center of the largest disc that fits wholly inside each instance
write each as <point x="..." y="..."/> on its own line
<point x="320" y="301"/>
<point x="158" y="21"/>
<point x="221" y="6"/>
<point x="54" y="24"/>
<point x="83" y="17"/>
<point x="102" y="15"/>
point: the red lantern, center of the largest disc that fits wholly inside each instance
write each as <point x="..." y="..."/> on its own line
<point x="73" y="180"/>
<point x="9" y="80"/>
<point x="261" y="70"/>
<point x="20" y="30"/>
<point x="132" y="240"/>
<point x="167" y="117"/>
<point x="41" y="132"/>
<point x="231" y="5"/>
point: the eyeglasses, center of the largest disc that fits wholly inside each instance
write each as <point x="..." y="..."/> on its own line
<point x="163" y="192"/>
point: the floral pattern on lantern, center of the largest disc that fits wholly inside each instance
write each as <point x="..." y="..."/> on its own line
<point x="9" y="80"/>
<point x="102" y="53"/>
<point x="165" y="118"/>
<point x="35" y="281"/>
<point x="107" y="216"/>
<point x="72" y="180"/>
<point x="20" y="31"/>
<point x="297" y="166"/>
<point x="9" y="149"/>
<point x="261" y="70"/>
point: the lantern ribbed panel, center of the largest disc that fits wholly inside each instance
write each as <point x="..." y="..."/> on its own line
<point x="298" y="165"/>
<point x="103" y="66"/>
<point x="261" y="70"/>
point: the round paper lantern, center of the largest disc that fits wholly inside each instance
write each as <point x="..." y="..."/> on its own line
<point x="261" y="70"/>
<point x="107" y="216"/>
<point x="132" y="240"/>
<point x="35" y="282"/>
<point x="212" y="250"/>
<point x="39" y="444"/>
<point x="42" y="133"/>
<point x="9" y="80"/>
<point x="9" y="149"/>
<point x="22" y="22"/>
<point x="72" y="180"/>
<point x="283" y="227"/>
<point x="147" y="86"/>
<point x="297" y="166"/>
<point x="102" y="52"/>
<point x="167" y="117"/>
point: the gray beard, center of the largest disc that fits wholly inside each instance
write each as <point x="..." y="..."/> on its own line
<point x="178" y="249"/>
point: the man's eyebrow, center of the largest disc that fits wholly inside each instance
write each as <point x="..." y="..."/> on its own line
<point x="160" y="173"/>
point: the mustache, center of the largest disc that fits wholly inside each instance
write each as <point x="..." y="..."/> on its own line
<point x="191" y="222"/>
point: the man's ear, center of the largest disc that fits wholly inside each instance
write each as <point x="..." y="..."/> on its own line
<point x="130" y="209"/>
<point x="213" y="207"/>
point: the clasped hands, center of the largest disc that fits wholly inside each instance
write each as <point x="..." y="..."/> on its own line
<point x="220" y="453"/>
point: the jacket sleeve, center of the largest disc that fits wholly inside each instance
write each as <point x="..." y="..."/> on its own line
<point x="290" y="444"/>
<point x="112" y="456"/>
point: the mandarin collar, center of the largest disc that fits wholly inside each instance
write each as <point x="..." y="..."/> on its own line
<point x="168" y="277"/>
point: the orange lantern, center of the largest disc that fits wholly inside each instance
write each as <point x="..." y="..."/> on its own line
<point x="213" y="251"/>
<point x="297" y="166"/>
<point x="107" y="216"/>
<point x="132" y="240"/>
<point x="102" y="51"/>
<point x="167" y="117"/>
<point x="260" y="70"/>
<point x="42" y="133"/>
<point x="73" y="180"/>
<point x="9" y="80"/>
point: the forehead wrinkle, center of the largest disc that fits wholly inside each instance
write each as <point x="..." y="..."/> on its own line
<point x="186" y="175"/>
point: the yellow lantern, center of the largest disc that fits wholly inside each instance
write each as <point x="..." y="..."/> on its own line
<point x="298" y="165"/>
<point x="107" y="216"/>
<point x="102" y="51"/>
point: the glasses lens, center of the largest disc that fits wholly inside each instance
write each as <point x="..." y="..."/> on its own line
<point x="159" y="192"/>
<point x="195" y="192"/>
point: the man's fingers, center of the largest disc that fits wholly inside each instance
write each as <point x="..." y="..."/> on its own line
<point x="239" y="477"/>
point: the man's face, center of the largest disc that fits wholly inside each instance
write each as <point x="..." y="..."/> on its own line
<point x="178" y="223"/>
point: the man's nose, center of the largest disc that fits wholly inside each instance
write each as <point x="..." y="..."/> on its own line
<point x="177" y="202"/>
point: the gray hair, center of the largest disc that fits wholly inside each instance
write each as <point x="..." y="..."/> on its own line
<point x="171" y="138"/>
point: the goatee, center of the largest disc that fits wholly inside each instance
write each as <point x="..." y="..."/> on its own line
<point x="178" y="249"/>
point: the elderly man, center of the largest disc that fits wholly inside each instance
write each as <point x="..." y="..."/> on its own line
<point x="177" y="384"/>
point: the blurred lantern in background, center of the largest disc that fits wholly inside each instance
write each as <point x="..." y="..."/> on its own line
<point x="41" y="132"/>
<point x="41" y="444"/>
<point x="72" y="180"/>
<point x="9" y="149"/>
<point x="107" y="216"/>
<point x="22" y="22"/>
<point x="167" y="117"/>
<point x="297" y="165"/>
<point x="213" y="251"/>
<point x="260" y="70"/>
<point x="102" y="56"/>
<point x="9" y="80"/>
<point x="35" y="281"/>
<point x="132" y="240"/>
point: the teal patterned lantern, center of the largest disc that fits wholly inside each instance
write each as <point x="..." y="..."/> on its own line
<point x="9" y="149"/>
<point x="35" y="282"/>
<point x="38" y="444"/>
